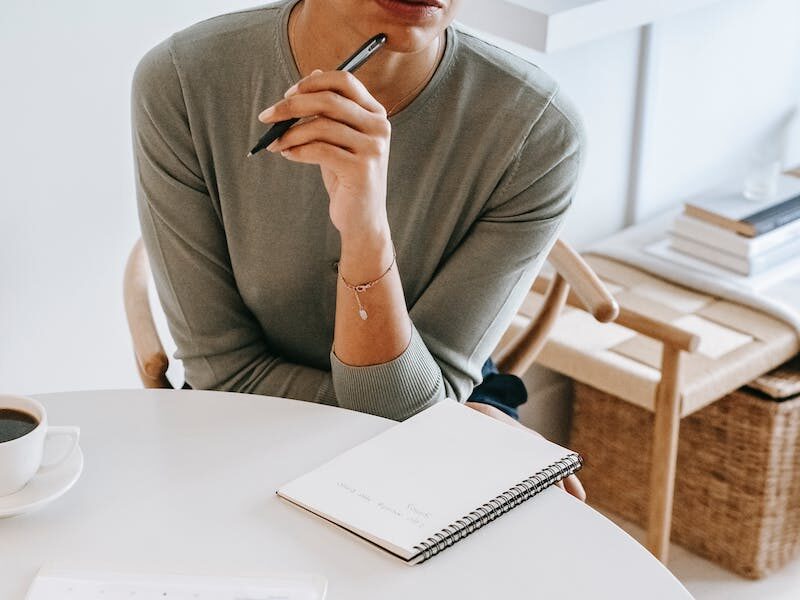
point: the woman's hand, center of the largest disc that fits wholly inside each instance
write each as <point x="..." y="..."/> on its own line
<point x="346" y="132"/>
<point x="571" y="484"/>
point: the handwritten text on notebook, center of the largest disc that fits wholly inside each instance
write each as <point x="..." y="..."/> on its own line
<point x="410" y="513"/>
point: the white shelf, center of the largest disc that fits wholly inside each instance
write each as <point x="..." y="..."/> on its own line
<point x="548" y="25"/>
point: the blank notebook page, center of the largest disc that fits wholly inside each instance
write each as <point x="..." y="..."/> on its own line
<point x="410" y="482"/>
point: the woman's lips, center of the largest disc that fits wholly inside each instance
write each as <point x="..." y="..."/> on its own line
<point x="411" y="8"/>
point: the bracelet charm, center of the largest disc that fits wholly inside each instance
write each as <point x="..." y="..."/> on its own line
<point x="363" y="287"/>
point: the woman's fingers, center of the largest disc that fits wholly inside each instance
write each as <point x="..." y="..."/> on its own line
<point x="346" y="116"/>
<point x="574" y="487"/>
<point x="320" y="153"/>
<point x="321" y="129"/>
<point x="324" y="103"/>
<point x="341" y="82"/>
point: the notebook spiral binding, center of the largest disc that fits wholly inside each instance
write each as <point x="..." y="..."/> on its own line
<point x="496" y="507"/>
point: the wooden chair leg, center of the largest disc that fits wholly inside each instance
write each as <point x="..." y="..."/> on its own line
<point x="665" y="453"/>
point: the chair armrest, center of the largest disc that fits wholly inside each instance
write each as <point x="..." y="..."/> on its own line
<point x="596" y="299"/>
<point x="151" y="359"/>
<point x="669" y="335"/>
<point x="652" y="328"/>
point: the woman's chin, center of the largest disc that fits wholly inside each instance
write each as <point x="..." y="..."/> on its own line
<point x="408" y="42"/>
<point x="407" y="34"/>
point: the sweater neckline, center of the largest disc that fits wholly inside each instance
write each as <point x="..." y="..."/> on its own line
<point x="292" y="73"/>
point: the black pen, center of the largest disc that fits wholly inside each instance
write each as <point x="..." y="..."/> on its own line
<point x="358" y="58"/>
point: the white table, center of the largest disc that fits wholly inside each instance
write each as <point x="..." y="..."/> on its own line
<point x="184" y="482"/>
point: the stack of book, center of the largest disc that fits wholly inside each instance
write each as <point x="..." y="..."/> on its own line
<point x="739" y="234"/>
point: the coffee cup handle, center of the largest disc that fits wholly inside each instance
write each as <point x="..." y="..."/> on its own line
<point x="72" y="432"/>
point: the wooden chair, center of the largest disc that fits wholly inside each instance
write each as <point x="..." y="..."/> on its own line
<point x="675" y="341"/>
<point x="515" y="357"/>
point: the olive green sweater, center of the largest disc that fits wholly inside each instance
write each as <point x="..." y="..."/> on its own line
<point x="482" y="168"/>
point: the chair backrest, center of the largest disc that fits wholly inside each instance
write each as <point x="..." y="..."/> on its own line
<point x="571" y="271"/>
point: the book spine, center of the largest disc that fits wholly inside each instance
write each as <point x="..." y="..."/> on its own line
<point x="777" y="237"/>
<point x="496" y="507"/>
<point x="773" y="217"/>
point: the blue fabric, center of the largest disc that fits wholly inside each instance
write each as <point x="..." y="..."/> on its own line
<point x="501" y="390"/>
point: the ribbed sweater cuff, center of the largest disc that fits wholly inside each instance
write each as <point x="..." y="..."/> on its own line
<point x="397" y="389"/>
<point x="326" y="393"/>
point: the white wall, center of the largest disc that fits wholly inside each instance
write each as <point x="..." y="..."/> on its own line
<point x="68" y="214"/>
<point x="724" y="74"/>
<point x="722" y="77"/>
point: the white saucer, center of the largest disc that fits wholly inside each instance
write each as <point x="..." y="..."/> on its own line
<point x="44" y="488"/>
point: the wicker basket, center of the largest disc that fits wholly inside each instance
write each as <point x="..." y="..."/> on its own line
<point x="737" y="491"/>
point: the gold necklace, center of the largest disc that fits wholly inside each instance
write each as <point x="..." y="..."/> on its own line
<point x="425" y="80"/>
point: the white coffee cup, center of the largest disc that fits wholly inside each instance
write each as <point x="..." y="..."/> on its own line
<point x="21" y="458"/>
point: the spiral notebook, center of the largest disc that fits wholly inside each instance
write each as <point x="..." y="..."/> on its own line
<point x="432" y="480"/>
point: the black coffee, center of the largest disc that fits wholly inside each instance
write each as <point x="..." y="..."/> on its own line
<point x="15" y="423"/>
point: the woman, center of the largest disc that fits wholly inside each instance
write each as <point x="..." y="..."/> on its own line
<point x="256" y="260"/>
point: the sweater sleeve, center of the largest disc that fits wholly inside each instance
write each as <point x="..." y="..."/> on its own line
<point x="463" y="312"/>
<point x="220" y="342"/>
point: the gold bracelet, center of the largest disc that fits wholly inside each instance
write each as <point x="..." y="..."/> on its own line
<point x="363" y="287"/>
